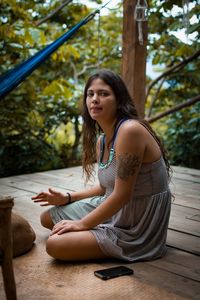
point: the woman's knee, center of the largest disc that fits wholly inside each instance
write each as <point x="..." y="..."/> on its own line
<point x="46" y="220"/>
<point x="52" y="246"/>
<point x="73" y="246"/>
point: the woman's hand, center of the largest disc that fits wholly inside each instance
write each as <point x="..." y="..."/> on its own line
<point x="51" y="198"/>
<point x="68" y="225"/>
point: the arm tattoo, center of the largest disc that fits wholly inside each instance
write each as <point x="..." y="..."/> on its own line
<point x="127" y="165"/>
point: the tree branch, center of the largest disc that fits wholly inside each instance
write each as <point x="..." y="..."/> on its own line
<point x="188" y="102"/>
<point x="74" y="70"/>
<point x="54" y="12"/>
<point x="155" y="97"/>
<point x="172" y="69"/>
<point x="85" y="68"/>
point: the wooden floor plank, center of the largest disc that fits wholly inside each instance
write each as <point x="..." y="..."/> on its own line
<point x="183" y="241"/>
<point x="181" y="187"/>
<point x="152" y="274"/>
<point x="187" y="201"/>
<point x="37" y="183"/>
<point x="181" y="220"/>
<point x="175" y="276"/>
<point x="36" y="187"/>
<point x="184" y="170"/>
<point x="190" y="178"/>
<point x="11" y="191"/>
<point x="180" y="263"/>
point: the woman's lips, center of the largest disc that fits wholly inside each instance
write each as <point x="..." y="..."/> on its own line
<point x="95" y="109"/>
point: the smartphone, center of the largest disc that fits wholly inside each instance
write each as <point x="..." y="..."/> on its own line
<point x="113" y="272"/>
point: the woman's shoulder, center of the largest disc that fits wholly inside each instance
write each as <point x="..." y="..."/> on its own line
<point x="130" y="135"/>
<point x="135" y="135"/>
<point x="131" y="127"/>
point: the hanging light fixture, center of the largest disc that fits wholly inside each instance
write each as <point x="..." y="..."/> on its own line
<point x="141" y="15"/>
<point x="141" y="11"/>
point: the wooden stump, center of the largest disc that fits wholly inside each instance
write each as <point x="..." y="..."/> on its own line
<point x="6" y="249"/>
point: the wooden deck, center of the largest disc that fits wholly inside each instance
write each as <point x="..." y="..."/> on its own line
<point x="176" y="276"/>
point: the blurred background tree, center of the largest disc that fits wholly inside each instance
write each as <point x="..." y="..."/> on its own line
<point x="173" y="48"/>
<point x="40" y="120"/>
<point x="40" y="123"/>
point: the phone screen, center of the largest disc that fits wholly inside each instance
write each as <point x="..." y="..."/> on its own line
<point x="113" y="272"/>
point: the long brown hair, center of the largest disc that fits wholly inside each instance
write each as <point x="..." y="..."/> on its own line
<point x="125" y="109"/>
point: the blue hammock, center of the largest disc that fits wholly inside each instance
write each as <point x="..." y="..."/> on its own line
<point x="14" y="77"/>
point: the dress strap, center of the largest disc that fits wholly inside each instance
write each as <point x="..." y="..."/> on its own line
<point x="102" y="140"/>
<point x="102" y="146"/>
<point x="116" y="130"/>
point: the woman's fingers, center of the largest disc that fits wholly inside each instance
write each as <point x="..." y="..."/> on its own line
<point x="63" y="230"/>
<point x="66" y="226"/>
<point x="41" y="195"/>
<point x="59" y="230"/>
<point x="40" y="199"/>
<point x="53" y="191"/>
<point x="61" y="227"/>
<point x="50" y="198"/>
<point x="58" y="225"/>
<point x="45" y="204"/>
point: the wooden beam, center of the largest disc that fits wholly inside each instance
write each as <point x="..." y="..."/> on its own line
<point x="6" y="248"/>
<point x="134" y="56"/>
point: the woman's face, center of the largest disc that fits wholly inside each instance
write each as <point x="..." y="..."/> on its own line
<point x="101" y="101"/>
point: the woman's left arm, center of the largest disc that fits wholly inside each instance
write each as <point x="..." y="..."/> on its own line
<point x="129" y="148"/>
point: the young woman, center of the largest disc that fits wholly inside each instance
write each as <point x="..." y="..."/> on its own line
<point x="127" y="216"/>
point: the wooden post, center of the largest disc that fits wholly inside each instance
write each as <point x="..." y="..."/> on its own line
<point x="6" y="248"/>
<point x="134" y="56"/>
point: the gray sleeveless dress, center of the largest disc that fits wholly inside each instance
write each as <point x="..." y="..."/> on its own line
<point x="138" y="231"/>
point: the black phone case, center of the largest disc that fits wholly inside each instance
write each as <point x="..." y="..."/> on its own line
<point x="109" y="273"/>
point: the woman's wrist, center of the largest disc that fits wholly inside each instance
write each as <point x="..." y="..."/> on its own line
<point x="69" y="198"/>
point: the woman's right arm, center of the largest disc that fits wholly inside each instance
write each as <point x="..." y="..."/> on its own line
<point x="96" y="190"/>
<point x="53" y="197"/>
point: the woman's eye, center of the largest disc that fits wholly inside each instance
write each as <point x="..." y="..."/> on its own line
<point x="99" y="94"/>
<point x="90" y="94"/>
<point x="103" y="94"/>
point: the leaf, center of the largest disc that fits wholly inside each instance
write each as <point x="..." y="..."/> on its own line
<point x="28" y="37"/>
<point x="15" y="45"/>
<point x="35" y="34"/>
<point x="57" y="90"/>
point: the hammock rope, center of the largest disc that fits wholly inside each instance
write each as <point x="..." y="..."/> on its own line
<point x="12" y="78"/>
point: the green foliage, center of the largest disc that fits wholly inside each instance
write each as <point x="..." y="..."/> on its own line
<point x="167" y="50"/>
<point x="21" y="154"/>
<point x="182" y="138"/>
<point x="40" y="124"/>
<point x="37" y="115"/>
